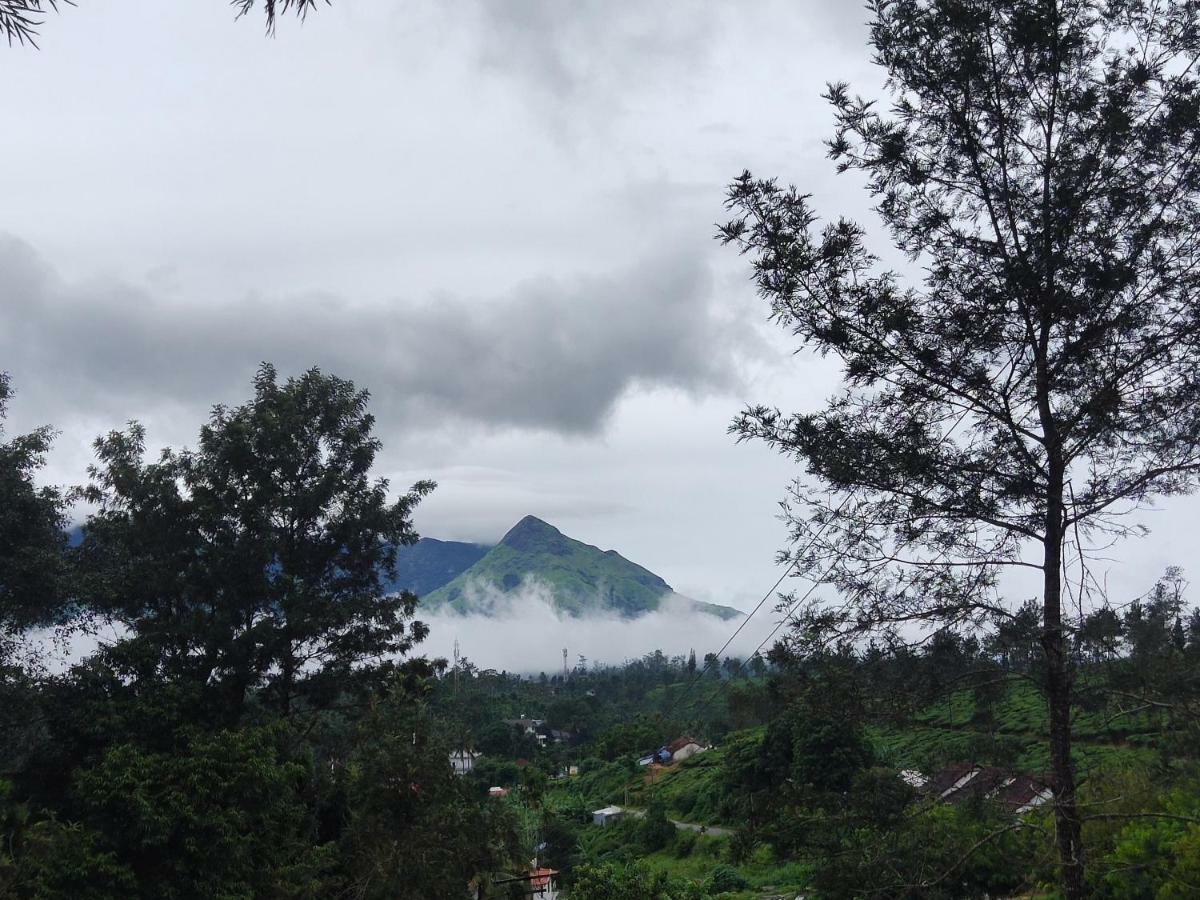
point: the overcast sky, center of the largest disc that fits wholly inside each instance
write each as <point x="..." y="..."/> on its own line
<point x="497" y="216"/>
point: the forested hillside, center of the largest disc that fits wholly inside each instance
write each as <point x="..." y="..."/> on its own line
<point x="825" y="773"/>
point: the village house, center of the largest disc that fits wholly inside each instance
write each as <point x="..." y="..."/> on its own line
<point x="608" y="815"/>
<point x="684" y="748"/>
<point x="541" y="884"/>
<point x="463" y="760"/>
<point x="1015" y="792"/>
<point x="535" y="728"/>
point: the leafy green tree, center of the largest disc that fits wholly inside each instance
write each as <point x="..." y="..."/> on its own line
<point x="32" y="530"/>
<point x="944" y="853"/>
<point x="222" y="815"/>
<point x="632" y="882"/>
<point x="828" y="753"/>
<point x="1100" y="634"/>
<point x="42" y="857"/>
<point x="408" y="827"/>
<point x="1156" y="856"/>
<point x="33" y="580"/>
<point x="655" y="829"/>
<point x="1031" y="376"/>
<point x="253" y="563"/>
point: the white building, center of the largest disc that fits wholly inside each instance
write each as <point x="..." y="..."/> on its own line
<point x="463" y="761"/>
<point x="683" y="748"/>
<point x="607" y="816"/>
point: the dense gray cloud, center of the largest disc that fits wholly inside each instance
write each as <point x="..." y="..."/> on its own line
<point x="552" y="354"/>
<point x="609" y="53"/>
<point x="589" y="48"/>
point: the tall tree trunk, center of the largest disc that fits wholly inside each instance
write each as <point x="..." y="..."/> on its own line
<point x="1058" y="698"/>
<point x="287" y="678"/>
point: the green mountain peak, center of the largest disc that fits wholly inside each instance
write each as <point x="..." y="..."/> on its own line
<point x="578" y="578"/>
<point x="532" y="534"/>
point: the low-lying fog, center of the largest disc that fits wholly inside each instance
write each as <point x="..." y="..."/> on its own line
<point x="526" y="634"/>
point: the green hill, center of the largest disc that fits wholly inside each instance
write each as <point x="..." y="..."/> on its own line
<point x="580" y="578"/>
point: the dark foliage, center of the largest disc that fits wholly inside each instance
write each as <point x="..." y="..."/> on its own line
<point x="32" y="525"/>
<point x="253" y="563"/>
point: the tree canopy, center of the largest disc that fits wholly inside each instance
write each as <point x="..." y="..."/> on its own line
<point x="32" y="523"/>
<point x="254" y="562"/>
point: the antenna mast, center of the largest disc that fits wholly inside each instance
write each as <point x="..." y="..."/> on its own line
<point x="457" y="656"/>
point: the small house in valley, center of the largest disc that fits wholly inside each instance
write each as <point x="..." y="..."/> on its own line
<point x="463" y="760"/>
<point x="608" y="815"/>
<point x="542" y="885"/>
<point x="683" y="748"/>
<point x="1014" y="792"/>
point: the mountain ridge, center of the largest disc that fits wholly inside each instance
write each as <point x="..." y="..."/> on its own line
<point x="428" y="564"/>
<point x="580" y="577"/>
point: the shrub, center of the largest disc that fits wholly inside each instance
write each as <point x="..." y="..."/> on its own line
<point x="685" y="843"/>
<point x="656" y="830"/>
<point x="741" y="846"/>
<point x="724" y="878"/>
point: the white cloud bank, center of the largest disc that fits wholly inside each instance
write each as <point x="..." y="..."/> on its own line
<point x="526" y="634"/>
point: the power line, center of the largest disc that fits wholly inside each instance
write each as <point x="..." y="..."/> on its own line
<point x="812" y="542"/>
<point x="786" y="617"/>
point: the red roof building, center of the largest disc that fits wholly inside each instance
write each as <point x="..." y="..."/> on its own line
<point x="541" y="884"/>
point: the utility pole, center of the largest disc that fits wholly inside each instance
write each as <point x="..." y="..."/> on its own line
<point x="566" y="672"/>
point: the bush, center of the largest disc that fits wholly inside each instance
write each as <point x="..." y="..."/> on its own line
<point x="724" y="878"/>
<point x="741" y="846"/>
<point x="685" y="843"/>
<point x="656" y="830"/>
<point x="633" y="882"/>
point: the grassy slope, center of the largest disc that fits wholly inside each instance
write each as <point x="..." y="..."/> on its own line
<point x="957" y="730"/>
<point x="691" y="789"/>
<point x="948" y="732"/>
<point x="691" y="856"/>
<point x="765" y="876"/>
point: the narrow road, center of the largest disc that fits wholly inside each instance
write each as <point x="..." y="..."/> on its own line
<point x="713" y="830"/>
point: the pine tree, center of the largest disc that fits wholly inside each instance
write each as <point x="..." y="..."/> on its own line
<point x="1032" y="375"/>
